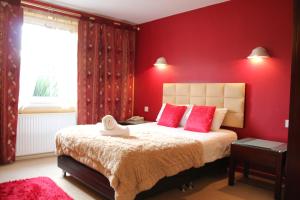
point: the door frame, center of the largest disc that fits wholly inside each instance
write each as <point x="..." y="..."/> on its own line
<point x="293" y="155"/>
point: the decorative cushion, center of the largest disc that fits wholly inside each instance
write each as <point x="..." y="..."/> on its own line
<point x="200" y="119"/>
<point x="184" y="117"/>
<point x="171" y="115"/>
<point x="218" y="119"/>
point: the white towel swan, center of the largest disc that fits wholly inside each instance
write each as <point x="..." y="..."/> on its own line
<point x="109" y="122"/>
<point x="112" y="128"/>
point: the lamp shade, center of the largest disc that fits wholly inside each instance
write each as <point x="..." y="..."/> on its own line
<point x="259" y="52"/>
<point x="161" y="61"/>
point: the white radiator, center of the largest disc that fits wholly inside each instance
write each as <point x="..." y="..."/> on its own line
<point x="36" y="132"/>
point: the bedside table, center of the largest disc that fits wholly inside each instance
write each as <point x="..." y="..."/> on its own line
<point x="128" y="122"/>
<point x="268" y="154"/>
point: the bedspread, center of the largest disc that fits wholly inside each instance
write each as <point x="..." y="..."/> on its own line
<point x="131" y="164"/>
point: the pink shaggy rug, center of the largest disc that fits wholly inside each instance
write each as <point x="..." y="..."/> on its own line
<point x="41" y="188"/>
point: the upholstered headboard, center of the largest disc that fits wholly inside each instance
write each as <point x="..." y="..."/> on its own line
<point x="221" y="95"/>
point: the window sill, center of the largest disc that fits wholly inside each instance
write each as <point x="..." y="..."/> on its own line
<point x="37" y="109"/>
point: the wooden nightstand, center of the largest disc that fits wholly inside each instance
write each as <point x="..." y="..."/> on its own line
<point x="128" y="122"/>
<point x="267" y="154"/>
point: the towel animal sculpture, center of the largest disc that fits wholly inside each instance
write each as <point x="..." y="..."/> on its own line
<point x="112" y="128"/>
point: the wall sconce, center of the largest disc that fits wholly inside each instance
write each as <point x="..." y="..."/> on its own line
<point x="161" y="63"/>
<point x="258" y="54"/>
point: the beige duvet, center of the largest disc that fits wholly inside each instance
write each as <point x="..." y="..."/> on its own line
<point x="132" y="164"/>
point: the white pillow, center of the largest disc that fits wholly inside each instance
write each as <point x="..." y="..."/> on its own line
<point x="184" y="117"/>
<point x="219" y="117"/>
<point x="160" y="112"/>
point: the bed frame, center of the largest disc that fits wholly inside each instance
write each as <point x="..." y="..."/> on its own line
<point x="221" y="95"/>
<point x="100" y="183"/>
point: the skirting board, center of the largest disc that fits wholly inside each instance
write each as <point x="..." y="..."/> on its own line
<point x="41" y="155"/>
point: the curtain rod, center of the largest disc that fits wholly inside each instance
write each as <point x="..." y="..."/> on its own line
<point x="50" y="8"/>
<point x="72" y="13"/>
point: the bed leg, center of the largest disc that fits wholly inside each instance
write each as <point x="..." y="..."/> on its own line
<point x="190" y="185"/>
<point x="64" y="173"/>
<point x="184" y="188"/>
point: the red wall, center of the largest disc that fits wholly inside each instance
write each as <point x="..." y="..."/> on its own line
<point x="211" y="45"/>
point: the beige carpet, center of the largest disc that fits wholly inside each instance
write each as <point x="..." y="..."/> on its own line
<point x="208" y="188"/>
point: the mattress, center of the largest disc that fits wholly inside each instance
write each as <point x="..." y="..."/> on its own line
<point x="134" y="164"/>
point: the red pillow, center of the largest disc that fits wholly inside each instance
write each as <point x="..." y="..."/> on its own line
<point x="171" y="115"/>
<point x="200" y="119"/>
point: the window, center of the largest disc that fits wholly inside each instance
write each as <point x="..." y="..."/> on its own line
<point x="48" y="74"/>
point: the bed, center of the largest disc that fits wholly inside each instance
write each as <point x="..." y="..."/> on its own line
<point x="154" y="157"/>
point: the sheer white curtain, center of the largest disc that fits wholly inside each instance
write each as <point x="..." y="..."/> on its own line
<point x="48" y="57"/>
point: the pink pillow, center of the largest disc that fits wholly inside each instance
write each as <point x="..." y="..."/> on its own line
<point x="200" y="119"/>
<point x="171" y="115"/>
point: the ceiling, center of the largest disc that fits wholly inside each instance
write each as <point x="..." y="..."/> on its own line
<point x="134" y="11"/>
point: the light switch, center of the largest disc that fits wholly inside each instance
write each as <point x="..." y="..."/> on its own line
<point x="286" y="123"/>
<point x="146" y="109"/>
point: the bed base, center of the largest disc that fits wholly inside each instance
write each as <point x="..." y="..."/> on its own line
<point x="100" y="183"/>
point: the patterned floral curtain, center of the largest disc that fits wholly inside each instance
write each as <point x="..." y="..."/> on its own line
<point x="11" y="17"/>
<point x="105" y="72"/>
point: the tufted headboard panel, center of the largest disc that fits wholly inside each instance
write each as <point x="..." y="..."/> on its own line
<point x="221" y="95"/>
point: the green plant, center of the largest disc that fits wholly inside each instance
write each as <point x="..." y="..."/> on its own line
<point x="45" y="88"/>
